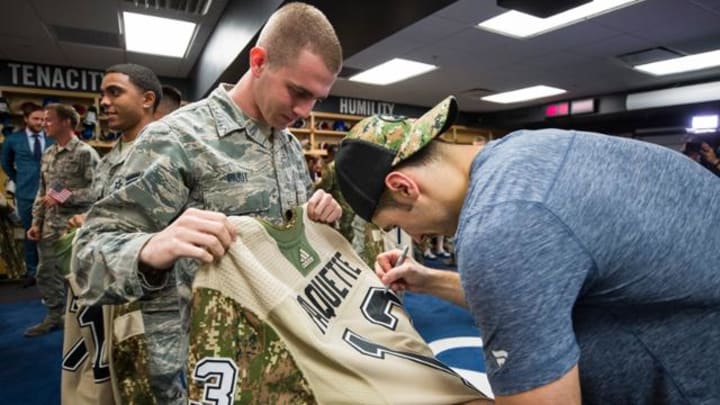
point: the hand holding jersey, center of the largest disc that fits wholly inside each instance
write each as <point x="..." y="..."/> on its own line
<point x="206" y="235"/>
<point x="301" y="283"/>
<point x="323" y="208"/>
<point x="197" y="234"/>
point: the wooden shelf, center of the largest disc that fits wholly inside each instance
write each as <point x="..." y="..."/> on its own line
<point x="314" y="136"/>
<point x="48" y="92"/>
<point x="334" y="116"/>
<point x="315" y="152"/>
<point x="100" y="144"/>
<point x="330" y="132"/>
<point x="457" y="133"/>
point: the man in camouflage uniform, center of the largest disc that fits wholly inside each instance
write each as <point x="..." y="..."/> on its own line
<point x="130" y="95"/>
<point x="230" y="154"/>
<point x="66" y="188"/>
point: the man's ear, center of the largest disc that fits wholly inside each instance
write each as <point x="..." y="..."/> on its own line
<point x="403" y="187"/>
<point x="148" y="100"/>
<point x="258" y="60"/>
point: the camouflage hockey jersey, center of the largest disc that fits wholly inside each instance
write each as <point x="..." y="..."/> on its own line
<point x="303" y="283"/>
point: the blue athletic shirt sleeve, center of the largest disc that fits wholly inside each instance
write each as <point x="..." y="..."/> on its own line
<point x="522" y="270"/>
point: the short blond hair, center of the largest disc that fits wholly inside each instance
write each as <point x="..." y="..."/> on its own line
<point x="298" y="26"/>
<point x="65" y="112"/>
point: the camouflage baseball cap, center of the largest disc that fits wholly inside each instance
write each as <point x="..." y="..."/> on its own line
<point x="378" y="143"/>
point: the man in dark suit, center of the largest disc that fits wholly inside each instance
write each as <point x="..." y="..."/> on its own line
<point x="21" y="154"/>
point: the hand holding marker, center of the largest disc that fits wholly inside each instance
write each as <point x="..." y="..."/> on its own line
<point x="399" y="262"/>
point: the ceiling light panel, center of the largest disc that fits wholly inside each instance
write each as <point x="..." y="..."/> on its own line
<point x="392" y="71"/>
<point x="520" y="25"/>
<point x="526" y="94"/>
<point x="156" y="35"/>
<point x="682" y="64"/>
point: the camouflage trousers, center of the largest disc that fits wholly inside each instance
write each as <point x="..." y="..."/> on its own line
<point x="50" y="278"/>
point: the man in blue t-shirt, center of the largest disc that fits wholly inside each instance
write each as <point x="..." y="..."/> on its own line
<point x="591" y="263"/>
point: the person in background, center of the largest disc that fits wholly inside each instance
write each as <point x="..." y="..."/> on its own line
<point x="435" y="247"/>
<point x="588" y="261"/>
<point x="171" y="100"/>
<point x="702" y="149"/>
<point x="65" y="189"/>
<point x="21" y="155"/>
<point x="229" y="154"/>
<point x="710" y="158"/>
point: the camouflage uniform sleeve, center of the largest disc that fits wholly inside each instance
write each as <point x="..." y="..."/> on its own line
<point x="86" y="195"/>
<point x="327" y="181"/>
<point x="38" y="209"/>
<point x="330" y="185"/>
<point x="300" y="163"/>
<point x="150" y="191"/>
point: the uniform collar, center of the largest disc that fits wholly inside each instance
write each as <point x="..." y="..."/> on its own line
<point x="229" y="117"/>
<point x="72" y="144"/>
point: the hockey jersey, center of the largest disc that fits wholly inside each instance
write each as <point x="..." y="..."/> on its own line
<point x="105" y="355"/>
<point x="86" y="372"/>
<point x="307" y="289"/>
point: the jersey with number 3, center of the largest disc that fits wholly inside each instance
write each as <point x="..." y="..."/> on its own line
<point x="352" y="341"/>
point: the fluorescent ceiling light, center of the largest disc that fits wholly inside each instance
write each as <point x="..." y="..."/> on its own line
<point x="157" y="36"/>
<point x="692" y="94"/>
<point x="392" y="71"/>
<point x="526" y="94"/>
<point x="682" y="64"/>
<point x="704" y="122"/>
<point x="520" y="25"/>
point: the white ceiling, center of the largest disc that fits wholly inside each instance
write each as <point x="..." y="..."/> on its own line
<point x="26" y="33"/>
<point x="581" y="58"/>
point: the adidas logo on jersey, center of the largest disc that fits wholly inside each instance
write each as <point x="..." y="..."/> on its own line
<point x="305" y="259"/>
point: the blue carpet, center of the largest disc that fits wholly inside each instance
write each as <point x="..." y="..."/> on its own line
<point x="450" y="331"/>
<point x="31" y="366"/>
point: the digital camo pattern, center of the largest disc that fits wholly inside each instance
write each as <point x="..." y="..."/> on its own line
<point x="130" y="364"/>
<point x="208" y="155"/>
<point x="50" y="280"/>
<point x="404" y="135"/>
<point x="109" y="165"/>
<point x="222" y="329"/>
<point x="154" y="378"/>
<point x="71" y="167"/>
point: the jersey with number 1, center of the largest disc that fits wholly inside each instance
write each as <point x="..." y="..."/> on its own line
<point x="352" y="341"/>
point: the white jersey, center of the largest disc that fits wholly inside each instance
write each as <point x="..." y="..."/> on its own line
<point x="353" y="342"/>
<point x="86" y="371"/>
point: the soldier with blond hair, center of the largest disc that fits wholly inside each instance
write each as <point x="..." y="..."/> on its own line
<point x="65" y="189"/>
<point x="229" y="154"/>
